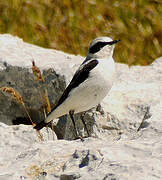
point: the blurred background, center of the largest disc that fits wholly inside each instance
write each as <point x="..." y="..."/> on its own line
<point x="70" y="25"/>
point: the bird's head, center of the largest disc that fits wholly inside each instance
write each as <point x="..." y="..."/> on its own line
<point x="101" y="48"/>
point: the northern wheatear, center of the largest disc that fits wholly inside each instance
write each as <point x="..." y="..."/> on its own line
<point x="90" y="83"/>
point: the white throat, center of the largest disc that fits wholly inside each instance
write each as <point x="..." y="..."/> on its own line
<point x="105" y="53"/>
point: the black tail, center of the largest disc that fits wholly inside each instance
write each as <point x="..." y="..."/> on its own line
<point x="40" y="125"/>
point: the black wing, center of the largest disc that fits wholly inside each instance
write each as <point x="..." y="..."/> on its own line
<point x="80" y="76"/>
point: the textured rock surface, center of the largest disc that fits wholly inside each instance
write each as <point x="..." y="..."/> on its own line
<point x="136" y="92"/>
<point x="126" y="128"/>
<point x="15" y="71"/>
<point x="129" y="105"/>
<point x="24" y="157"/>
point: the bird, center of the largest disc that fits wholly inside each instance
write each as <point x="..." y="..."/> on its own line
<point x="90" y="84"/>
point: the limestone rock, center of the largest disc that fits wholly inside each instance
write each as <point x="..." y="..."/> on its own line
<point x="24" y="156"/>
<point x="126" y="128"/>
<point x="126" y="109"/>
<point x="16" y="59"/>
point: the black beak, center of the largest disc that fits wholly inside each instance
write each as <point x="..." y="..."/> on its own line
<point x="116" y="41"/>
<point x="112" y="42"/>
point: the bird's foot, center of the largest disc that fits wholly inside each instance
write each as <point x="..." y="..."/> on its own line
<point x="84" y="123"/>
<point x="81" y="137"/>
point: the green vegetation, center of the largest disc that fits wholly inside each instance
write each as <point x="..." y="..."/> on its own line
<point x="70" y="25"/>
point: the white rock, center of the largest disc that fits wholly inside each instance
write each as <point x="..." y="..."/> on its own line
<point x="127" y="127"/>
<point x="24" y="156"/>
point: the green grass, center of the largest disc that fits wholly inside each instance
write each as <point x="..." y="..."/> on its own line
<point x="70" y="25"/>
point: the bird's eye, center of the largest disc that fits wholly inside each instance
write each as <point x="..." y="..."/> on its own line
<point x="96" y="47"/>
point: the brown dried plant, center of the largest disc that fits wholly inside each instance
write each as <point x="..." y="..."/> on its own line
<point x="47" y="101"/>
<point x="37" y="72"/>
<point x="39" y="77"/>
<point x="16" y="95"/>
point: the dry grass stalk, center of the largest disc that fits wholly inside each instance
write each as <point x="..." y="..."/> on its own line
<point x="16" y="95"/>
<point x="47" y="101"/>
<point x="39" y="77"/>
<point x="37" y="72"/>
<point x="34" y="171"/>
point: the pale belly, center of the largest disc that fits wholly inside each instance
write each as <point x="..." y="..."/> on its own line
<point x="89" y="93"/>
<point x="88" y="96"/>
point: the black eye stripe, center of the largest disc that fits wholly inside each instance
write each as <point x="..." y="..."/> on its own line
<point x="96" y="47"/>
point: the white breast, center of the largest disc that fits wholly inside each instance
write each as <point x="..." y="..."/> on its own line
<point x="95" y="88"/>
<point x="89" y="93"/>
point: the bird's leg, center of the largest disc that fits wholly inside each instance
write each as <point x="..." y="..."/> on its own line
<point x="71" y="113"/>
<point x="82" y="118"/>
